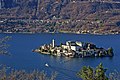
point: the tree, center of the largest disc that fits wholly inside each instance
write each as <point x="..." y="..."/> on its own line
<point x="100" y="73"/>
<point x="88" y="73"/>
<point x="110" y="52"/>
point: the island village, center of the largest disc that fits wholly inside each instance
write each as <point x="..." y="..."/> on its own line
<point x="74" y="49"/>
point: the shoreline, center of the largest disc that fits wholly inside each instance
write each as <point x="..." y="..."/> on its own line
<point x="58" y="33"/>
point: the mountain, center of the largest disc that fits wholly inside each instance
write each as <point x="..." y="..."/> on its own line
<point x="80" y="14"/>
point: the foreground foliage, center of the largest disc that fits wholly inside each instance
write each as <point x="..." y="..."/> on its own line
<point x="10" y="74"/>
<point x="89" y="73"/>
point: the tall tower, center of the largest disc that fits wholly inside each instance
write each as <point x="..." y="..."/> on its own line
<point x="53" y="43"/>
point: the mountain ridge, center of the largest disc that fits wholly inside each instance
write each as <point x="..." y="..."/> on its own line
<point x="83" y="14"/>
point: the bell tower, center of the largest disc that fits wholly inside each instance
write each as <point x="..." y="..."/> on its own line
<point x="53" y="43"/>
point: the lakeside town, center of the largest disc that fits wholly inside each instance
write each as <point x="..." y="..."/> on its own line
<point x="53" y="26"/>
<point x="74" y="49"/>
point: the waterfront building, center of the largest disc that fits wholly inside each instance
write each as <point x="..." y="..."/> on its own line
<point x="65" y="46"/>
<point x="75" y="47"/>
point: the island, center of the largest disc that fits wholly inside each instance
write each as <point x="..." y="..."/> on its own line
<point x="74" y="49"/>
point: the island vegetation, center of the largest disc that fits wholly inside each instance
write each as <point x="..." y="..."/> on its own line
<point x="75" y="49"/>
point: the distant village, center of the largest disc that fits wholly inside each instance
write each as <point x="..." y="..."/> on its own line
<point x="74" y="49"/>
<point x="55" y="25"/>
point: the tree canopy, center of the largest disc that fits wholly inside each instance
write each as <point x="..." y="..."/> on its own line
<point x="89" y="73"/>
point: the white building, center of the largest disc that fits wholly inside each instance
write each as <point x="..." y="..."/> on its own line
<point x="75" y="48"/>
<point x="66" y="47"/>
<point x="70" y="45"/>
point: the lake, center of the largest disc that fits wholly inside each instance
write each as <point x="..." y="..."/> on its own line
<point x="21" y="46"/>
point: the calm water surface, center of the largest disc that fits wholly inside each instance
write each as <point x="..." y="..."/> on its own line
<point x="23" y="58"/>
